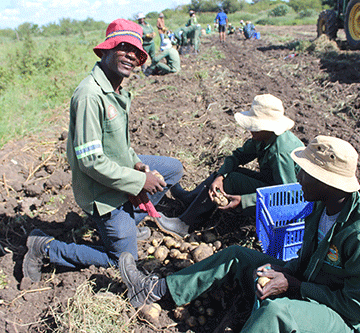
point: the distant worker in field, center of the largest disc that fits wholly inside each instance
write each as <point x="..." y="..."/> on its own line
<point x="222" y="21"/>
<point x="271" y="145"/>
<point x="192" y="20"/>
<point x="249" y="30"/>
<point x="161" y="27"/>
<point x="194" y="34"/>
<point x="148" y="37"/>
<point x="109" y="179"/>
<point x="317" y="292"/>
<point x="208" y="29"/>
<point x="241" y="28"/>
<point x="172" y="58"/>
<point x="231" y="29"/>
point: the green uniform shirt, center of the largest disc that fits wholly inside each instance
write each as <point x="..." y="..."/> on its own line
<point x="147" y="29"/>
<point x="172" y="59"/>
<point x="275" y="163"/>
<point x="98" y="146"/>
<point x="332" y="267"/>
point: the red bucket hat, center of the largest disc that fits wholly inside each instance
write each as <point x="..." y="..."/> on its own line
<point x="120" y="31"/>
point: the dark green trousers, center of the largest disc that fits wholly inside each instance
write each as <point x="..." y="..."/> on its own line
<point x="150" y="50"/>
<point x="279" y="315"/>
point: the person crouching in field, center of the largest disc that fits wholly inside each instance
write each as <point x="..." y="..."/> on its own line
<point x="317" y="292"/>
<point x="109" y="179"/>
<point x="271" y="145"/>
<point x="172" y="58"/>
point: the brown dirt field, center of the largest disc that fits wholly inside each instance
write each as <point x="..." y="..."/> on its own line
<point x="189" y="116"/>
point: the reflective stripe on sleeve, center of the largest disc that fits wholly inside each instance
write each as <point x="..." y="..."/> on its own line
<point x="88" y="148"/>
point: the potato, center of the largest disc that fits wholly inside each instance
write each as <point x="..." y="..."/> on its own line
<point x="202" y="320"/>
<point x="201" y="252"/>
<point x="197" y="303"/>
<point x="169" y="242"/>
<point x="221" y="200"/>
<point x="263" y="280"/>
<point x="151" y="313"/>
<point x="174" y="253"/>
<point x="217" y="245"/>
<point x="155" y="242"/>
<point x="181" y="313"/>
<point x="210" y="312"/>
<point x="151" y="250"/>
<point x="185" y="246"/>
<point x="191" y="321"/>
<point x="161" y="253"/>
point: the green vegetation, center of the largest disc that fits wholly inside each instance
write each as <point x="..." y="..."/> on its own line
<point x="41" y="66"/>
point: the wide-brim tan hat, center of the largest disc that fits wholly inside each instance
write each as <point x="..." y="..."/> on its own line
<point x="331" y="160"/>
<point x="266" y="114"/>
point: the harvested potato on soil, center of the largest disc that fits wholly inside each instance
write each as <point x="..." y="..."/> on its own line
<point x="151" y="250"/>
<point x="202" y="320"/>
<point x="201" y="252"/>
<point x="174" y="253"/>
<point x="181" y="313"/>
<point x="191" y="321"/>
<point x="185" y="247"/>
<point x="263" y="280"/>
<point x="151" y="313"/>
<point x="161" y="253"/>
<point x="217" y="245"/>
<point x="169" y="242"/>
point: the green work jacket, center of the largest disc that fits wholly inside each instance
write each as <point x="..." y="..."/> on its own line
<point x="98" y="147"/>
<point x="172" y="59"/>
<point x="147" y="30"/>
<point x="331" y="268"/>
<point x="275" y="163"/>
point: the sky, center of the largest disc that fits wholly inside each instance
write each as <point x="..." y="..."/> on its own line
<point x="41" y="12"/>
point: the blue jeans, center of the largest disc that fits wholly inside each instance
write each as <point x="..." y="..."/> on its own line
<point x="118" y="228"/>
<point x="161" y="39"/>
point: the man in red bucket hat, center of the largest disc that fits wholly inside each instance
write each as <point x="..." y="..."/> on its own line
<point x="109" y="180"/>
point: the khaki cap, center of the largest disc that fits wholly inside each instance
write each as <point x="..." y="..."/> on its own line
<point x="331" y="160"/>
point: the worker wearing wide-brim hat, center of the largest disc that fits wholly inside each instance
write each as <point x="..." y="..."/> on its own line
<point x="271" y="145"/>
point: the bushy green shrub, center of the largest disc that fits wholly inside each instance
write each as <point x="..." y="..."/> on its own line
<point x="299" y="5"/>
<point x="278" y="11"/>
<point x="307" y="13"/>
<point x="265" y="21"/>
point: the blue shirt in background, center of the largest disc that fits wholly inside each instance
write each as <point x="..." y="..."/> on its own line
<point x="221" y="17"/>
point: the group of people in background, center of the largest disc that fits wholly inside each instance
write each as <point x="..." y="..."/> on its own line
<point x="172" y="44"/>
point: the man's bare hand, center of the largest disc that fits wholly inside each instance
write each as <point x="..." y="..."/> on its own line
<point x="142" y="167"/>
<point x="153" y="183"/>
<point x="216" y="185"/>
<point x="234" y="201"/>
<point x="280" y="281"/>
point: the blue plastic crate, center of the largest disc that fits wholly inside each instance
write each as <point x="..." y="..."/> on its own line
<point x="280" y="214"/>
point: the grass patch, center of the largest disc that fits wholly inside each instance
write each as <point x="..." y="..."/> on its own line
<point x="94" y="312"/>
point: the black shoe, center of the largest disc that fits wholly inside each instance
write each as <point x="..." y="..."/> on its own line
<point x="142" y="233"/>
<point x="33" y="260"/>
<point x="172" y="225"/>
<point x="140" y="286"/>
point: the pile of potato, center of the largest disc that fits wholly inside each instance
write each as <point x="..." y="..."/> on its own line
<point x="169" y="249"/>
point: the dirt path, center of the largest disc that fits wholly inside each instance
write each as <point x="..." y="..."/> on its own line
<point x="189" y="116"/>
